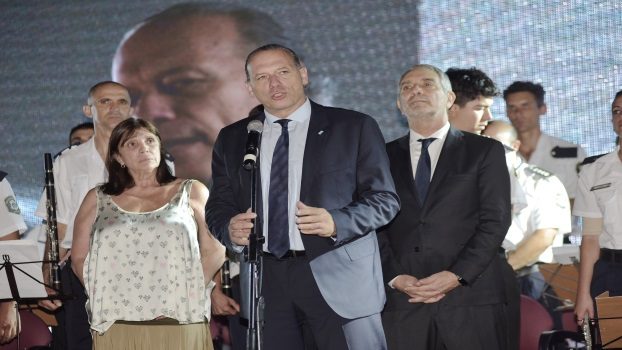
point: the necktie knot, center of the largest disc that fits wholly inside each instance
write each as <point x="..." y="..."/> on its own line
<point x="425" y="143"/>
<point x="283" y="123"/>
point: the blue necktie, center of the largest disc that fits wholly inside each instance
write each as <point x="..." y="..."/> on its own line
<point x="278" y="224"/>
<point x="424" y="169"/>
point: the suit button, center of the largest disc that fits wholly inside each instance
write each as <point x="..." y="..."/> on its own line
<point x="421" y="222"/>
<point x="416" y="249"/>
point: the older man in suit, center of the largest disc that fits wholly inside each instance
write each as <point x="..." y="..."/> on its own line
<point x="441" y="252"/>
<point x="326" y="187"/>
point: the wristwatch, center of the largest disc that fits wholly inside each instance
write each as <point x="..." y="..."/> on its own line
<point x="462" y="281"/>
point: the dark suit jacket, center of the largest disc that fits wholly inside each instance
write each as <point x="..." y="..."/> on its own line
<point x="461" y="224"/>
<point x="346" y="171"/>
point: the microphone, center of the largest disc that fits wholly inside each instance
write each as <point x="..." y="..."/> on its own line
<point x="254" y="128"/>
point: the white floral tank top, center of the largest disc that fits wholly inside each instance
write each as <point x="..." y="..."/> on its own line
<point x="146" y="264"/>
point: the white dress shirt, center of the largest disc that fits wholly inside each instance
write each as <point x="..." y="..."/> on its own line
<point x="297" y="128"/>
<point x="434" y="149"/>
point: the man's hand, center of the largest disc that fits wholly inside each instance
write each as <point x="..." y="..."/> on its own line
<point x="240" y="227"/>
<point x="404" y="282"/>
<point x="51" y="305"/>
<point x="222" y="304"/>
<point x="314" y="221"/>
<point x="433" y="288"/>
<point x="9" y="322"/>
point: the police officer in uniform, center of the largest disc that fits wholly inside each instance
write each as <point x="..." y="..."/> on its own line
<point x="599" y="202"/>
<point x="11" y="225"/>
<point x="540" y="217"/>
<point x="524" y="105"/>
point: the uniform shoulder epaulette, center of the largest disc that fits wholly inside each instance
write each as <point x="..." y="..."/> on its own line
<point x="538" y="172"/>
<point x="2" y="175"/>
<point x="591" y="159"/>
<point x="564" y="152"/>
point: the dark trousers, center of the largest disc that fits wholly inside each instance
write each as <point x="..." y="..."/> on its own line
<point x="236" y="329"/>
<point x="512" y="296"/>
<point x="296" y="315"/>
<point x="73" y="330"/>
<point x="607" y="277"/>
<point x="445" y="327"/>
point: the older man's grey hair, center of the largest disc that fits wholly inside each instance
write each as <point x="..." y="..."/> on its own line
<point x="444" y="79"/>
<point x="255" y="27"/>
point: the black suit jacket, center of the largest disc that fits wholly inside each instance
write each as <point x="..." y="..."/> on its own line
<point x="460" y="226"/>
<point x="346" y="171"/>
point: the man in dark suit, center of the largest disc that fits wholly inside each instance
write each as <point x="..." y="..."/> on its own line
<point x="325" y="188"/>
<point x="441" y="252"/>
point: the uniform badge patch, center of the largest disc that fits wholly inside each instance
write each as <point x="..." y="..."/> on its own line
<point x="11" y="205"/>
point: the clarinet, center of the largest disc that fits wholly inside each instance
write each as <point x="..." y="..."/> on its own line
<point x="225" y="278"/>
<point x="52" y="229"/>
<point x="587" y="333"/>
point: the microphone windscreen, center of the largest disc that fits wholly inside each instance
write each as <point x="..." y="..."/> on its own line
<point x="255" y="125"/>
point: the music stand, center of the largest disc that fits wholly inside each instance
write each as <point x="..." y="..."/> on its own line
<point x="609" y="320"/>
<point x="21" y="276"/>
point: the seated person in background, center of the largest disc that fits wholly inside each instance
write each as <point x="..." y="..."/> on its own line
<point x="540" y="215"/>
<point x="599" y="202"/>
<point x="11" y="225"/>
<point x="143" y="251"/>
<point x="81" y="133"/>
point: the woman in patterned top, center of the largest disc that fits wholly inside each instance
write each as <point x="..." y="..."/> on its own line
<point x="143" y="250"/>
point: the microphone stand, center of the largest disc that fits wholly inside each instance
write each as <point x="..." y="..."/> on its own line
<point x="253" y="253"/>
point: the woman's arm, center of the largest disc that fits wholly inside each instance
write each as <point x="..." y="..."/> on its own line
<point x="590" y="251"/>
<point x="82" y="227"/>
<point x="212" y="252"/>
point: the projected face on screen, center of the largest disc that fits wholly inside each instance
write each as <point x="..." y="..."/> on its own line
<point x="187" y="76"/>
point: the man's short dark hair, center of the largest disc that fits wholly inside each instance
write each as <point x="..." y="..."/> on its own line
<point x="85" y="125"/>
<point x="618" y="94"/>
<point x="470" y="83"/>
<point x="526" y="86"/>
<point x="272" y="47"/>
<point x="255" y="27"/>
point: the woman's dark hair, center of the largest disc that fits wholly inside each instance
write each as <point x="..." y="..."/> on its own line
<point x="119" y="178"/>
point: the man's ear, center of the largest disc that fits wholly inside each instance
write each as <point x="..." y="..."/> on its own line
<point x="543" y="109"/>
<point x="451" y="98"/>
<point x="249" y="88"/>
<point x="304" y="75"/>
<point x="398" y="104"/>
<point x="453" y="109"/>
<point x="86" y="110"/>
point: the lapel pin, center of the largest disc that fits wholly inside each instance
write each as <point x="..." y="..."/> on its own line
<point x="321" y="132"/>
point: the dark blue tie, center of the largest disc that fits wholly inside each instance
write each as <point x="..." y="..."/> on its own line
<point x="278" y="225"/>
<point x="424" y="169"/>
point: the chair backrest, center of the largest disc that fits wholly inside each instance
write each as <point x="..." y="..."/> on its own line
<point x="534" y="319"/>
<point x="34" y="333"/>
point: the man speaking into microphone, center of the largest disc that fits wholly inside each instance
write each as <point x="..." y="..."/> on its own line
<point x="325" y="188"/>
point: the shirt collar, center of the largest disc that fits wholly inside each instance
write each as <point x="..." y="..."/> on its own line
<point x="300" y="115"/>
<point x="438" y="134"/>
